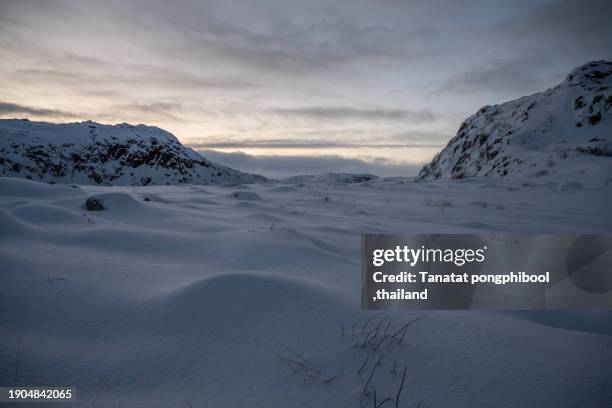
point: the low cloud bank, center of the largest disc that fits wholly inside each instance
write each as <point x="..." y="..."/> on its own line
<point x="276" y="166"/>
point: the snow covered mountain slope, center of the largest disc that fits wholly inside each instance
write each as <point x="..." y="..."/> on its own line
<point x="564" y="132"/>
<point x="92" y="153"/>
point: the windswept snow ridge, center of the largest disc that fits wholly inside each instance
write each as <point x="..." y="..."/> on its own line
<point x="564" y="132"/>
<point x="92" y="153"/>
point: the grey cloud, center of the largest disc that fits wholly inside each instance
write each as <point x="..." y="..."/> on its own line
<point x="271" y="35"/>
<point x="134" y="75"/>
<point x="418" y="136"/>
<point x="342" y="112"/>
<point x="502" y="76"/>
<point x="284" y="166"/>
<point x="540" y="45"/>
<point x="232" y="143"/>
<point x="144" y="111"/>
<point x="186" y="80"/>
<point x="543" y="45"/>
<point x="54" y="75"/>
<point x="576" y="27"/>
<point x="130" y="112"/>
<point x="7" y="108"/>
<point x="282" y="39"/>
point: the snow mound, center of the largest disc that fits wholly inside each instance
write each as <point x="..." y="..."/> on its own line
<point x="11" y="226"/>
<point x="563" y="132"/>
<point x="244" y="300"/>
<point x="46" y="214"/>
<point x="14" y="187"/>
<point x="93" y="153"/>
<point x="282" y="189"/>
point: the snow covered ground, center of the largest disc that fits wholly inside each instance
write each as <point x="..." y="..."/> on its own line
<point x="202" y="296"/>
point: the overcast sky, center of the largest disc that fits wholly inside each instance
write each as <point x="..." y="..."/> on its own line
<point x="382" y="83"/>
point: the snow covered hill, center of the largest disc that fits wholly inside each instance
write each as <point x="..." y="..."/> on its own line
<point x="564" y="132"/>
<point x="92" y="153"/>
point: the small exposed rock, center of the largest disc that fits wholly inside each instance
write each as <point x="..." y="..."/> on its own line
<point x="594" y="119"/>
<point x="94" y="204"/>
<point x="579" y="103"/>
